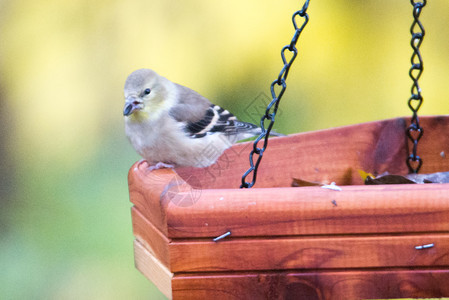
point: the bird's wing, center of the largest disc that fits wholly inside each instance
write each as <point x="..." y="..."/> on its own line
<point x="215" y="120"/>
<point x="190" y="106"/>
<point x="202" y="117"/>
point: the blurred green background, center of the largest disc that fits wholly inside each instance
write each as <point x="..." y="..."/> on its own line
<point x="65" y="212"/>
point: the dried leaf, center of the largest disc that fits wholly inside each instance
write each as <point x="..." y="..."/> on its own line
<point x="388" y="179"/>
<point x="299" y="183"/>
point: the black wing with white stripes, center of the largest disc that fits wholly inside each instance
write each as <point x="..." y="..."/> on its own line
<point x="217" y="119"/>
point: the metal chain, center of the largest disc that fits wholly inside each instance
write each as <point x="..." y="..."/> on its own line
<point x="279" y="83"/>
<point x="415" y="131"/>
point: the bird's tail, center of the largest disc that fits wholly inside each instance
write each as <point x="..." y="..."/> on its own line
<point x="256" y="132"/>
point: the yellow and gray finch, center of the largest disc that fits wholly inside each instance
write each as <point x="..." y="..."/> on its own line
<point x="171" y="125"/>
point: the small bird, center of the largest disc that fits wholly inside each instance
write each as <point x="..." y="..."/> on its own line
<point x="170" y="125"/>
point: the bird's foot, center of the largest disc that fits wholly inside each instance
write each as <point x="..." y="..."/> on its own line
<point x="161" y="165"/>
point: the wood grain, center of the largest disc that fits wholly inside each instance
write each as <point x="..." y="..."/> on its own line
<point x="318" y="243"/>
<point x="312" y="284"/>
<point x="309" y="253"/>
<point x="151" y="191"/>
<point x="330" y="285"/>
<point x="151" y="267"/>
<point x="302" y="211"/>
<point x="150" y="237"/>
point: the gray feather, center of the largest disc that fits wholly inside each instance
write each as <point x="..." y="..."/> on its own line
<point x="191" y="105"/>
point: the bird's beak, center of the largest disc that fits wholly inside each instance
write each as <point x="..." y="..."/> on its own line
<point x="132" y="104"/>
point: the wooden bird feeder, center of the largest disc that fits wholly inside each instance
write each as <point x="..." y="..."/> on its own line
<point x="380" y="241"/>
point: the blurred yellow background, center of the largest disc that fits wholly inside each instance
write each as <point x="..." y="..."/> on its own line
<point x="65" y="212"/>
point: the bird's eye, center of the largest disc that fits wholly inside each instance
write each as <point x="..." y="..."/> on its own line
<point x="147" y="91"/>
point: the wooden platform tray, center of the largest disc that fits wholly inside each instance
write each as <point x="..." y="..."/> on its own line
<point x="310" y="242"/>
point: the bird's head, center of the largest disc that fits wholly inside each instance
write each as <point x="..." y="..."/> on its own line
<point x="143" y="92"/>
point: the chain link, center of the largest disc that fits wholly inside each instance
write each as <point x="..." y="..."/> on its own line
<point x="277" y="88"/>
<point x="415" y="131"/>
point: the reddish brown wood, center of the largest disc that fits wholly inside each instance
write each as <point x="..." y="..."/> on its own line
<point x="303" y="211"/>
<point x="153" y="240"/>
<point x="369" y="284"/>
<point x="290" y="211"/>
<point x="294" y="284"/>
<point x="319" y="243"/>
<point x="153" y="269"/>
<point x="151" y="192"/>
<point x="330" y="252"/>
<point x="335" y="251"/>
